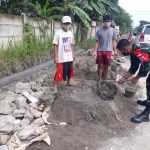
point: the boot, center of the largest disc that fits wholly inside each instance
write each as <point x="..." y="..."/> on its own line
<point x="143" y="103"/>
<point x="143" y="117"/>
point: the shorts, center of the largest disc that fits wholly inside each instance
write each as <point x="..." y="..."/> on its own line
<point x="104" y="58"/>
<point x="64" y="71"/>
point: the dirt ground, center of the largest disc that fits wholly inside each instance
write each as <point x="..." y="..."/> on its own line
<point x="91" y="121"/>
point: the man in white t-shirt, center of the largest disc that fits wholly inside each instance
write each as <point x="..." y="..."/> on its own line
<point x="64" y="52"/>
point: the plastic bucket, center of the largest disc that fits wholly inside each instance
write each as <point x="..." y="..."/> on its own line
<point x="130" y="92"/>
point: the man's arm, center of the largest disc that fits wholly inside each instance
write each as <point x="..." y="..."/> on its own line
<point x="55" y="49"/>
<point x="96" y="45"/>
<point x="132" y="70"/>
<point x="114" y="43"/>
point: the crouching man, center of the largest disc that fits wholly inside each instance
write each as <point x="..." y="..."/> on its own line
<point x="139" y="57"/>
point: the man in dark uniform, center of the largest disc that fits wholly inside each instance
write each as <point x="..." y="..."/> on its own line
<point x="140" y="57"/>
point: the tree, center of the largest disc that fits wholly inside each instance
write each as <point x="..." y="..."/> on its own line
<point x="123" y="20"/>
<point x="16" y="7"/>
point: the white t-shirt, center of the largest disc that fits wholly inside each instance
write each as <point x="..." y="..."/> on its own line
<point x="64" y="40"/>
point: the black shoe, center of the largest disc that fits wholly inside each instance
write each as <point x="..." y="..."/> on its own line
<point x="140" y="118"/>
<point x="142" y="103"/>
<point x="143" y="117"/>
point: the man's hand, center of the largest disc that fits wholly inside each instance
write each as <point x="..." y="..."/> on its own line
<point x="94" y="54"/>
<point x="55" y="60"/>
<point x="116" y="53"/>
<point x="122" y="80"/>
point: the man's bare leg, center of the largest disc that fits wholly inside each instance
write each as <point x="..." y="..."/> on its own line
<point x="100" y="72"/>
<point x="105" y="71"/>
<point x="55" y="85"/>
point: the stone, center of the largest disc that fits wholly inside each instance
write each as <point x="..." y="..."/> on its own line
<point x="10" y="97"/>
<point x="48" y="96"/>
<point x="32" y="83"/>
<point x="41" y="108"/>
<point x="38" y="94"/>
<point x="6" y="123"/>
<point x="20" y="101"/>
<point x="62" y="123"/>
<point x="35" y="113"/>
<point x="33" y="105"/>
<point x="39" y="122"/>
<point x="19" y="113"/>
<point x="5" y="108"/>
<point x="4" y="147"/>
<point x="34" y="87"/>
<point x="107" y="90"/>
<point x="16" y="127"/>
<point x="25" y="122"/>
<point x="28" y="115"/>
<point x="4" y="138"/>
<point x="21" y="87"/>
<point x="30" y="97"/>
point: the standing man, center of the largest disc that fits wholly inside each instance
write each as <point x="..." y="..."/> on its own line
<point x="140" y="57"/>
<point x="64" y="52"/>
<point x="105" y="43"/>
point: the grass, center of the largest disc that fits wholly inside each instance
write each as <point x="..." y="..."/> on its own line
<point x="20" y="56"/>
<point x="87" y="44"/>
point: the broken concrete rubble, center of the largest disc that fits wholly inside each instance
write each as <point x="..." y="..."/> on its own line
<point x="21" y="110"/>
<point x="6" y="125"/>
<point x="21" y="87"/>
<point x="35" y="113"/>
<point x="39" y="122"/>
<point x="4" y="147"/>
<point x="4" y="138"/>
<point x="5" y="108"/>
<point x="20" y="101"/>
<point x="19" y="113"/>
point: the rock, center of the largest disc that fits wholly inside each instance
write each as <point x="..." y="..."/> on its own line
<point x="39" y="122"/>
<point x="33" y="105"/>
<point x="32" y="83"/>
<point x="4" y="147"/>
<point x="6" y="123"/>
<point x="30" y="97"/>
<point x="21" y="87"/>
<point x="48" y="97"/>
<point x="41" y="108"/>
<point x="20" y="101"/>
<point x="4" y="139"/>
<point x="5" y="108"/>
<point x="33" y="86"/>
<point x="10" y="97"/>
<point x="19" y="113"/>
<point x="28" y="115"/>
<point x="13" y="106"/>
<point x="35" y="113"/>
<point x="38" y="94"/>
<point x="62" y="123"/>
<point x="16" y="127"/>
<point x="25" y="122"/>
<point x="107" y="90"/>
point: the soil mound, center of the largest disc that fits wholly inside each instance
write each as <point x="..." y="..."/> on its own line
<point x="94" y="112"/>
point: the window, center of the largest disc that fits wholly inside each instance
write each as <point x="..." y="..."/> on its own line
<point x="147" y="30"/>
<point x="140" y="31"/>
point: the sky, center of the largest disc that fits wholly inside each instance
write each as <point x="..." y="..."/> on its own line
<point x="138" y="9"/>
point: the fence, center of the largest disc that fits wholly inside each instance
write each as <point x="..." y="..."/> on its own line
<point x="12" y="28"/>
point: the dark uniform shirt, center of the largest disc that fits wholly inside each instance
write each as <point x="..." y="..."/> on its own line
<point x="140" y="56"/>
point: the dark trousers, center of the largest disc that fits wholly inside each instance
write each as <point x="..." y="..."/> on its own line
<point x="148" y="88"/>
